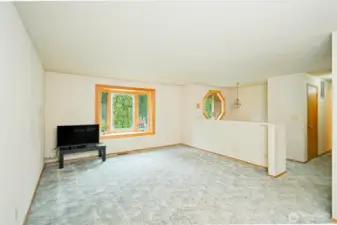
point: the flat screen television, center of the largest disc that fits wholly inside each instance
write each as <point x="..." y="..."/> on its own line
<point x="77" y="135"/>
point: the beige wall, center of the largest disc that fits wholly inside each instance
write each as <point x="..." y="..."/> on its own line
<point x="246" y="141"/>
<point x="70" y="99"/>
<point x="328" y="117"/>
<point x="287" y="104"/>
<point x="220" y="136"/>
<point x="253" y="98"/>
<point x="254" y="104"/>
<point x="191" y="96"/>
<point x="22" y="117"/>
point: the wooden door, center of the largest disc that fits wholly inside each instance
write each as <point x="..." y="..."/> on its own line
<point x="312" y="137"/>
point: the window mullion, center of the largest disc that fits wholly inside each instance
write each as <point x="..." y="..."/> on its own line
<point x="150" y="111"/>
<point x="98" y="105"/>
<point x="109" y="116"/>
<point x="136" y="114"/>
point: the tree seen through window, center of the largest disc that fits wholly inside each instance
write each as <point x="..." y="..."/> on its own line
<point x="125" y="110"/>
<point x="122" y="111"/>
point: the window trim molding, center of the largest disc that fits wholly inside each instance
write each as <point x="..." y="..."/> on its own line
<point x="223" y="104"/>
<point x="99" y="88"/>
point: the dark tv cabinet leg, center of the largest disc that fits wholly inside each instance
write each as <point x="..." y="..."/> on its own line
<point x="99" y="153"/>
<point x="61" y="159"/>
<point x="103" y="154"/>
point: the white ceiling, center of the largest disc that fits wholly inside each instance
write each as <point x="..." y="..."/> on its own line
<point x="212" y="42"/>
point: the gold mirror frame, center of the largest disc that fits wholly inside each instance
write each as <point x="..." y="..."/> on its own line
<point x="223" y="104"/>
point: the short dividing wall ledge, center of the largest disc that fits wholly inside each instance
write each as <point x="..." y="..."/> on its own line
<point x="262" y="167"/>
<point x="278" y="175"/>
<point x="276" y="150"/>
<point x="259" y="144"/>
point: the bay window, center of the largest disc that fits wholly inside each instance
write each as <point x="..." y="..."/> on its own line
<point x="124" y="111"/>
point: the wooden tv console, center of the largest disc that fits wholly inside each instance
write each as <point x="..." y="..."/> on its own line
<point x="101" y="148"/>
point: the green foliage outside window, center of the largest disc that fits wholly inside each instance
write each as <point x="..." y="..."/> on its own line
<point x="208" y="107"/>
<point x="143" y="117"/>
<point x="122" y="111"/>
<point x="143" y="105"/>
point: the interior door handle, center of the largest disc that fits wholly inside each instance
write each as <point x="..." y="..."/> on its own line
<point x="309" y="126"/>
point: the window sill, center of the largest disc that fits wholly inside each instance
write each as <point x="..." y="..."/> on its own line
<point x="126" y="134"/>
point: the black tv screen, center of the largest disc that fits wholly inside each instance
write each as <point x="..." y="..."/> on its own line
<point x="77" y="135"/>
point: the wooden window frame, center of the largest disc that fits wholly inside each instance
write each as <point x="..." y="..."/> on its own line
<point x="223" y="104"/>
<point x="99" y="88"/>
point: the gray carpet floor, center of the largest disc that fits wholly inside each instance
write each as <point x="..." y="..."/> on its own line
<point x="180" y="186"/>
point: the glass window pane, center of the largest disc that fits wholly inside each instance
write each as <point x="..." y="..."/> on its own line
<point x="143" y="112"/>
<point x="217" y="106"/>
<point x="122" y="111"/>
<point x="208" y="104"/>
<point x="104" y="110"/>
<point x="214" y="105"/>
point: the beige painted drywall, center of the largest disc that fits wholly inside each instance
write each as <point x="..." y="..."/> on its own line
<point x="287" y="104"/>
<point x="191" y="96"/>
<point x="226" y="138"/>
<point x="277" y="140"/>
<point x="254" y="103"/>
<point x="70" y="99"/>
<point x="253" y="98"/>
<point x="223" y="137"/>
<point x="328" y="116"/>
<point x="324" y="114"/>
<point x="22" y="117"/>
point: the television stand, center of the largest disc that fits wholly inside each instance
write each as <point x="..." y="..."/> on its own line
<point x="101" y="148"/>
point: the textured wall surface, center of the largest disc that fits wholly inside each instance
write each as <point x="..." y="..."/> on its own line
<point x="22" y="117"/>
<point x="70" y="100"/>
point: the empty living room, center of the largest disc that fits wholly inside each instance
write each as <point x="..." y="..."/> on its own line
<point x="168" y="112"/>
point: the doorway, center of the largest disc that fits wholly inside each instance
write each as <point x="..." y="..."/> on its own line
<point x="312" y="122"/>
